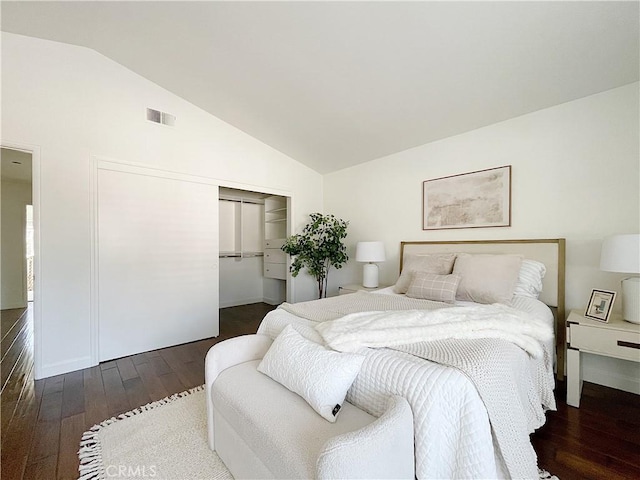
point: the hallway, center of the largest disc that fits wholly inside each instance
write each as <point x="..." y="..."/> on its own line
<point x="16" y="328"/>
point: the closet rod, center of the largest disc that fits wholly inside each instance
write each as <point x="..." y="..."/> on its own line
<point x="241" y="255"/>
<point x="242" y="200"/>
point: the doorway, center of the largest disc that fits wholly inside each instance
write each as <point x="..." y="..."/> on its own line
<point x="17" y="255"/>
<point x="29" y="250"/>
<point x="253" y="227"/>
<point x="16" y="190"/>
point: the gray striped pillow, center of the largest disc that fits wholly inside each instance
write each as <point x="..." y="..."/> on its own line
<point x="429" y="286"/>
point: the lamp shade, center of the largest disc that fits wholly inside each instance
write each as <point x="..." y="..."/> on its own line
<point x="621" y="253"/>
<point x="370" y="252"/>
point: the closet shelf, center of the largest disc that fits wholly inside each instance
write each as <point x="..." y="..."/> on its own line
<point x="275" y="234"/>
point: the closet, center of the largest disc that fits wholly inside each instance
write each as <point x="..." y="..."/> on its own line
<point x="253" y="227"/>
<point x="170" y="250"/>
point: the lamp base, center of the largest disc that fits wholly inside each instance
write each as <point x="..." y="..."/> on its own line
<point x="631" y="299"/>
<point x="370" y="275"/>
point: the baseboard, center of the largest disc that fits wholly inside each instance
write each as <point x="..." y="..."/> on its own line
<point x="240" y="301"/>
<point x="272" y="301"/>
<point x="67" y="366"/>
<point x="613" y="378"/>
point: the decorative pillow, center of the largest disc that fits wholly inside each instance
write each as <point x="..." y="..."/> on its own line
<point x="438" y="264"/>
<point x="441" y="288"/>
<point x="487" y="278"/>
<point x="529" y="282"/>
<point x="319" y="375"/>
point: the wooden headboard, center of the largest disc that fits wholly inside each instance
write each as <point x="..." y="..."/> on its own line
<point x="551" y="252"/>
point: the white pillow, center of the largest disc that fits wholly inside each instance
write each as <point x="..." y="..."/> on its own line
<point x="319" y="375"/>
<point x="529" y="282"/>
<point x="487" y="278"/>
<point x="438" y="264"/>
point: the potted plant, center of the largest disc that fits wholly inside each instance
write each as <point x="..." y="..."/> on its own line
<point x="318" y="247"/>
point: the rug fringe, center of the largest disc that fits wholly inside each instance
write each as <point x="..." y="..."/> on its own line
<point x="544" y="475"/>
<point x="90" y="453"/>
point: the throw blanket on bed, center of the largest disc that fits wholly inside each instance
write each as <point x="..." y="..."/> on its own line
<point x="337" y="307"/>
<point x="515" y="389"/>
<point x="488" y="345"/>
<point x="388" y="329"/>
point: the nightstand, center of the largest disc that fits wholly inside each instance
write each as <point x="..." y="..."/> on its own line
<point x="345" y="289"/>
<point x="617" y="339"/>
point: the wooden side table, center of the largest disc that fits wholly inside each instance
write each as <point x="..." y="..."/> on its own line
<point x="345" y="289"/>
<point x="617" y="339"/>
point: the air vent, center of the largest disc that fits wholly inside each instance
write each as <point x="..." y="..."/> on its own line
<point x="164" y="118"/>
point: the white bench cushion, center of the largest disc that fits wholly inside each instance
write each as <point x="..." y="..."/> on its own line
<point x="278" y="425"/>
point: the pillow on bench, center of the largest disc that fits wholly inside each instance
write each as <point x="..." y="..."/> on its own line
<point x="319" y="375"/>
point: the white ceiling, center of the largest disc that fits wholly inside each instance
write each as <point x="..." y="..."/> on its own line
<point x="15" y="165"/>
<point x="333" y="84"/>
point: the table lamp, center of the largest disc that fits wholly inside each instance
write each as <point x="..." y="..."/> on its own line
<point x="621" y="253"/>
<point x="370" y="252"/>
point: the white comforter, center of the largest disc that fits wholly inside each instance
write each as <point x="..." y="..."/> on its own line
<point x="453" y="435"/>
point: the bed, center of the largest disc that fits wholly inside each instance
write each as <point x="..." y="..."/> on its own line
<point x="475" y="398"/>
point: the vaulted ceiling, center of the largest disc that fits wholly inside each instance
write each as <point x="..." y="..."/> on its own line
<point x="333" y="84"/>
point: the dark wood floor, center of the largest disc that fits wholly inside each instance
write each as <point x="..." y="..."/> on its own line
<point x="599" y="440"/>
<point x="42" y="421"/>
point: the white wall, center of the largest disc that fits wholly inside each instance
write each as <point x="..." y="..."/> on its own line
<point x="576" y="174"/>
<point x="241" y="281"/>
<point x="74" y="104"/>
<point x="15" y="197"/>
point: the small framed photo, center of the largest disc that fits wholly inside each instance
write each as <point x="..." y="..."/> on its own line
<point x="600" y="304"/>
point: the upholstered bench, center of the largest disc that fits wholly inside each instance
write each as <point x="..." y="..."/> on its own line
<point x="260" y="429"/>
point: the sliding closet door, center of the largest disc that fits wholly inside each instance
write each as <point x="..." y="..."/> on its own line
<point x="157" y="262"/>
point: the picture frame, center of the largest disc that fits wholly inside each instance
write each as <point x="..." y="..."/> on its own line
<point x="600" y="305"/>
<point x="468" y="200"/>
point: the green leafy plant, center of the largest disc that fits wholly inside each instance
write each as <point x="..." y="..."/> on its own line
<point x="318" y="247"/>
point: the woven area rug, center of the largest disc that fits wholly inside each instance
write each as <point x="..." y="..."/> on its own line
<point x="164" y="440"/>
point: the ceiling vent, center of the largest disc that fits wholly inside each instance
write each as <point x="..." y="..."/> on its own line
<point x="164" y="118"/>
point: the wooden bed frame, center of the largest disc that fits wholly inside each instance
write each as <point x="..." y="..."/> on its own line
<point x="551" y="252"/>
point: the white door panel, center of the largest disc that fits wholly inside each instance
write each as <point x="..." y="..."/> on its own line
<point x="157" y="262"/>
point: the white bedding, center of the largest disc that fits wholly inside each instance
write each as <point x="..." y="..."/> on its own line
<point x="453" y="434"/>
<point x="527" y="304"/>
<point x="401" y="327"/>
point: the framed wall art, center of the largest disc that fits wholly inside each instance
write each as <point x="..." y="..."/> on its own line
<point x="468" y="200"/>
<point x="600" y="304"/>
